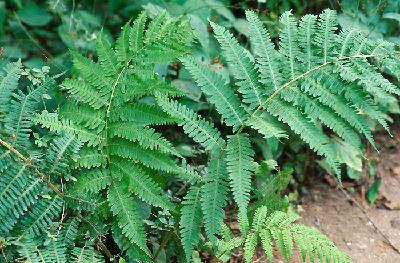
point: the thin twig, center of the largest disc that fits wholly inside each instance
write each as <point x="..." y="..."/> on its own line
<point x="163" y="243"/>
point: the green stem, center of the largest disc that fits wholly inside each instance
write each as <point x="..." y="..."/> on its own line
<point x="163" y="243"/>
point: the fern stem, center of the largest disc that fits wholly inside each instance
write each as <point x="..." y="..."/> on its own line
<point x="293" y="80"/>
<point x="29" y="164"/>
<point x="106" y="251"/>
<point x="163" y="243"/>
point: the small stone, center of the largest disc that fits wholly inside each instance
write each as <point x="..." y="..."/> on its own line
<point x="395" y="223"/>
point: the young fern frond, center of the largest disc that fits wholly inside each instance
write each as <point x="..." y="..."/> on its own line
<point x="279" y="228"/>
<point x="122" y="155"/>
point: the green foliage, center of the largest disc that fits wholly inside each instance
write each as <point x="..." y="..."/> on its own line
<point x="122" y="156"/>
<point x="111" y="174"/>
<point x="310" y="82"/>
<point x="279" y="227"/>
<point x="58" y="247"/>
<point x="240" y="166"/>
<point x="189" y="224"/>
<point x="29" y="198"/>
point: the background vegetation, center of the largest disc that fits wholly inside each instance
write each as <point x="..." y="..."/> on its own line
<point x="116" y="143"/>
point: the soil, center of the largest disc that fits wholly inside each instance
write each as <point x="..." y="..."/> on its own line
<point x="368" y="233"/>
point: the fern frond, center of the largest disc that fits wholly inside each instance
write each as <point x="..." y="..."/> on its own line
<point x="193" y="125"/>
<point x="307" y="31"/>
<point x="40" y="217"/>
<point x="190" y="221"/>
<point x="307" y="131"/>
<point x="214" y="196"/>
<point x="22" y="107"/>
<point x="69" y="231"/>
<point x="18" y="192"/>
<point x="150" y="158"/>
<point x="141" y="114"/>
<point x="264" y="50"/>
<point x="267" y="126"/>
<point x="90" y="157"/>
<point x="93" y="180"/>
<point x="317" y="77"/>
<point x="125" y="209"/>
<point x="131" y="249"/>
<point x="86" y="254"/>
<point x="107" y="57"/>
<point x="136" y="33"/>
<point x="325" y="36"/>
<point x="62" y="150"/>
<point x="92" y="73"/>
<point x="288" y="46"/>
<point x="250" y="246"/>
<point x="218" y="92"/>
<point x="85" y="93"/>
<point x="54" y="251"/>
<point x="141" y="184"/>
<point x="240" y="165"/>
<point x="279" y="228"/>
<point x="324" y="114"/>
<point x="9" y="76"/>
<point x="148" y="138"/>
<point x="122" y="44"/>
<point x="338" y="104"/>
<point x="242" y="67"/>
<point x="83" y="115"/>
<point x="154" y="27"/>
<point x="53" y="123"/>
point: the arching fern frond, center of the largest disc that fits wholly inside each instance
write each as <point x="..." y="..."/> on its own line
<point x="316" y="78"/>
<point x="122" y="155"/>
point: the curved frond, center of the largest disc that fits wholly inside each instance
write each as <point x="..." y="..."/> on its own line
<point x="218" y="92"/>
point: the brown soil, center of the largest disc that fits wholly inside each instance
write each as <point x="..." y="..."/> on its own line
<point x="368" y="233"/>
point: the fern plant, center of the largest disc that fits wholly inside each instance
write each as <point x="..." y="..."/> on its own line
<point x="58" y="246"/>
<point x="316" y="79"/>
<point x="108" y="109"/>
<point x="279" y="228"/>
<point x="31" y="201"/>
